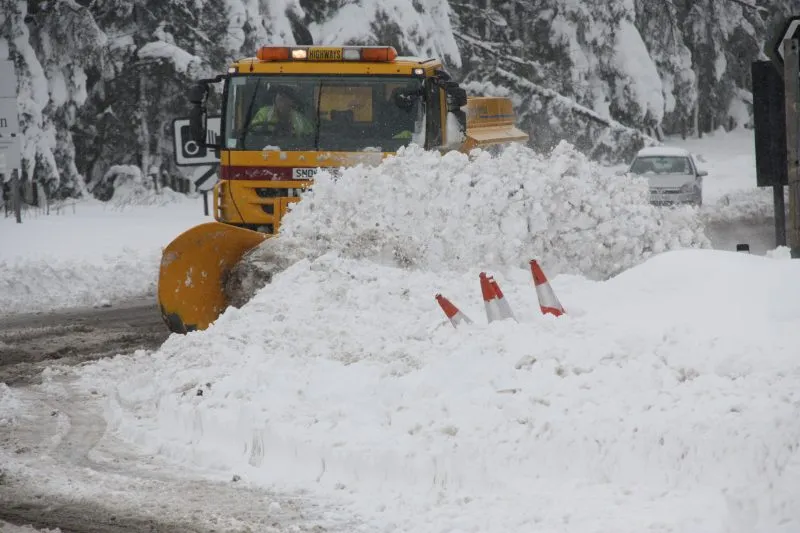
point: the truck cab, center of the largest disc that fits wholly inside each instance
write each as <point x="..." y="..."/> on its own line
<point x="293" y="110"/>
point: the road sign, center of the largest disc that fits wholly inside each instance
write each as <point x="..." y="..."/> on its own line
<point x="11" y="155"/>
<point x="202" y="177"/>
<point x="8" y="80"/>
<point x="9" y="119"/>
<point x="788" y="29"/>
<point x="769" y="123"/>
<point x="187" y="152"/>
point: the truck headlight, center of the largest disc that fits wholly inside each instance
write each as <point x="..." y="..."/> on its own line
<point x="689" y="187"/>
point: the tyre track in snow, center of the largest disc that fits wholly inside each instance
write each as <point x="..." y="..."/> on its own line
<point x="60" y="466"/>
<point x="78" y="477"/>
<point x="31" y="342"/>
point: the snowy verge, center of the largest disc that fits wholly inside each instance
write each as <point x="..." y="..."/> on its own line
<point x="47" y="284"/>
<point x="666" y="399"/>
<point x="6" y="527"/>
<point x="90" y="253"/>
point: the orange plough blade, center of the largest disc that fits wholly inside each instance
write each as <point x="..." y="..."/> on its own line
<point x="193" y="270"/>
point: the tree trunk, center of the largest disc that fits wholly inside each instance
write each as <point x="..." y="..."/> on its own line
<point x="16" y="195"/>
<point x="697" y="130"/>
<point x="144" y="130"/>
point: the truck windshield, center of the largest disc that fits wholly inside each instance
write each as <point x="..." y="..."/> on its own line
<point x="329" y="113"/>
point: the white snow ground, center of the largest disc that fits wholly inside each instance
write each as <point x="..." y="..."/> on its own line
<point x="667" y="399"/>
<point x="89" y="253"/>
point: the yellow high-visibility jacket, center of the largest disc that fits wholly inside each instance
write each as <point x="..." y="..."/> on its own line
<point x="301" y="125"/>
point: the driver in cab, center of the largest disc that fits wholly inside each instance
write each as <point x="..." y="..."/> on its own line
<point x="282" y="116"/>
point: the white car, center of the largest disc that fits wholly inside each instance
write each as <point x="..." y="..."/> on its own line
<point x="672" y="173"/>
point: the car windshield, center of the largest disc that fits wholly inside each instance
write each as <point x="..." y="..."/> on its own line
<point x="336" y="113"/>
<point x="662" y="165"/>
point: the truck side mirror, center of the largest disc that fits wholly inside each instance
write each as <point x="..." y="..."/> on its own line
<point x="197" y="124"/>
<point x="457" y="97"/>
<point x="197" y="93"/>
<point x="197" y="115"/>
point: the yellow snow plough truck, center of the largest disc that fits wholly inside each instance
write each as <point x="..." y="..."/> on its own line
<point x="285" y="114"/>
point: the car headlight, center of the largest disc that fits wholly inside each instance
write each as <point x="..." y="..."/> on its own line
<point x="689" y="187"/>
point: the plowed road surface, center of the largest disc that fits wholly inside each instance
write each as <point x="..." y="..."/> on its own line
<point x="71" y="474"/>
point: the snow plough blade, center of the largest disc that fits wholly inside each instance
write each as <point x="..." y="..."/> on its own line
<point x="193" y="270"/>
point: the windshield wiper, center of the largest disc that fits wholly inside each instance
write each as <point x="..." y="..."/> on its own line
<point x="319" y="121"/>
<point x="249" y="116"/>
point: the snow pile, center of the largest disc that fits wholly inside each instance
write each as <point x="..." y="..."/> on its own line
<point x="454" y="211"/>
<point x="125" y="185"/>
<point x="781" y="252"/>
<point x="6" y="527"/>
<point x="55" y="283"/>
<point x="667" y="398"/>
<point x="742" y="206"/>
<point x="10" y="406"/>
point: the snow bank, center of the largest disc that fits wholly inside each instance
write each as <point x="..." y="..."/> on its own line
<point x="88" y="253"/>
<point x="125" y="185"/>
<point x="54" y="283"/>
<point x="132" y="193"/>
<point x="6" y="527"/>
<point x="744" y="206"/>
<point x="427" y="210"/>
<point x="667" y="399"/>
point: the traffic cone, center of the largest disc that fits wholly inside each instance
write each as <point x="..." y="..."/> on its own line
<point x="547" y="298"/>
<point x="453" y="314"/>
<point x="502" y="303"/>
<point x="490" y="301"/>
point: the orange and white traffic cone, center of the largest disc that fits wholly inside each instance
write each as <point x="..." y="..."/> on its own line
<point x="502" y="303"/>
<point x="455" y="316"/>
<point x="547" y="298"/>
<point x="490" y="301"/>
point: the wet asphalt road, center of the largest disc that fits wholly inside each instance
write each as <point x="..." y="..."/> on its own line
<point x="31" y="342"/>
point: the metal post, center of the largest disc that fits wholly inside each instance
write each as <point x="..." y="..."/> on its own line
<point x="205" y="203"/>
<point x="15" y="195"/>
<point x="780" y="215"/>
<point x="791" y="79"/>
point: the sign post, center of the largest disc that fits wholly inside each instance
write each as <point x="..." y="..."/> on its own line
<point x="769" y="123"/>
<point x="784" y="51"/>
<point x="200" y="184"/>
<point x="791" y="78"/>
<point x="9" y="132"/>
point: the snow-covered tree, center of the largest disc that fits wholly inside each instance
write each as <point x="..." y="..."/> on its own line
<point x="51" y="52"/>
<point x="102" y="80"/>
<point x="155" y="50"/>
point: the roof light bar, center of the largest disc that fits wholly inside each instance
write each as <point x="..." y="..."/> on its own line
<point x="351" y="54"/>
<point x="375" y="54"/>
<point x="273" y="53"/>
<point x="378" y="53"/>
